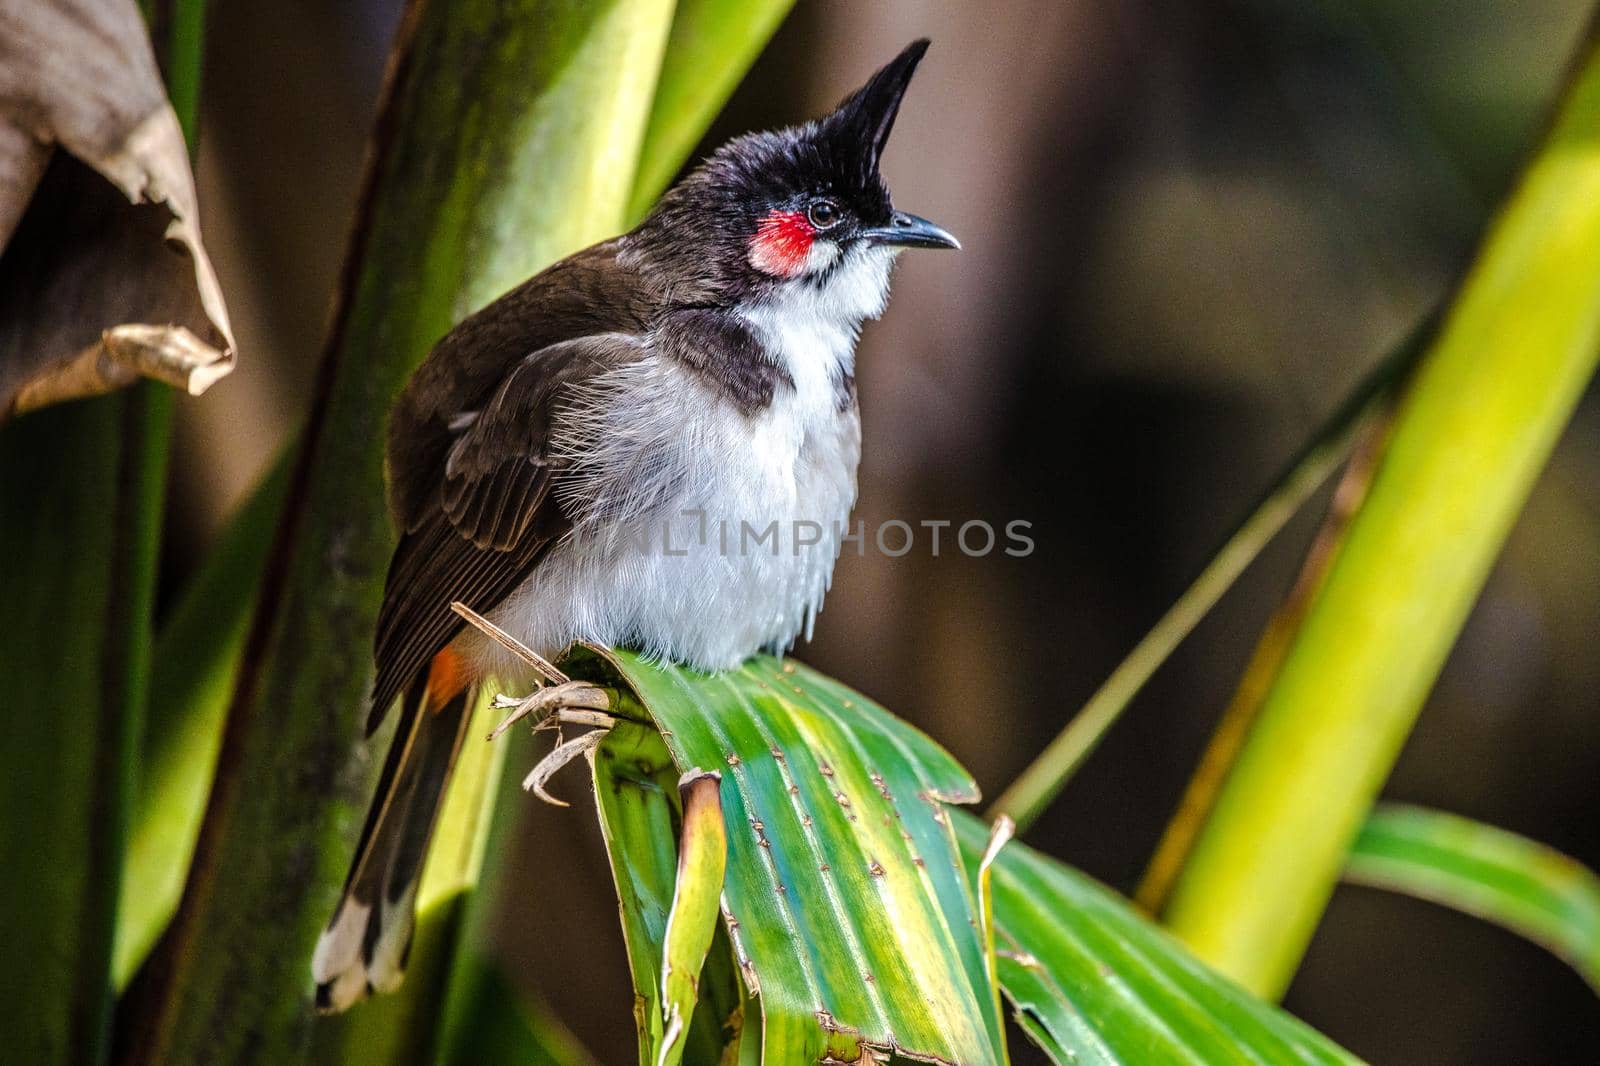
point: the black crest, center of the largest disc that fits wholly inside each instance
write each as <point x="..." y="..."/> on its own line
<point x="861" y="124"/>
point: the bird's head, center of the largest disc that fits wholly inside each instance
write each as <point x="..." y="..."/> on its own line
<point x="802" y="210"/>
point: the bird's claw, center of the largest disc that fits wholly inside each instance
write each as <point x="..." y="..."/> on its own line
<point x="569" y="703"/>
<point x="578" y="702"/>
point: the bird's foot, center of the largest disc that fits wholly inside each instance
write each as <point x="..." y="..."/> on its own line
<point x="573" y="702"/>
<point x="563" y="753"/>
<point x="562" y="701"/>
<point x="569" y="703"/>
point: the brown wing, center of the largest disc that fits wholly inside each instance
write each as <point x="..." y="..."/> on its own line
<point x="587" y="294"/>
<point x="469" y="469"/>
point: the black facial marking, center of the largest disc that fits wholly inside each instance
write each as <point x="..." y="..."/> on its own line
<point x="844" y="391"/>
<point x="725" y="353"/>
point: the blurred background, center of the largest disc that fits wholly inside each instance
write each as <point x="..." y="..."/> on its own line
<point x="1190" y="228"/>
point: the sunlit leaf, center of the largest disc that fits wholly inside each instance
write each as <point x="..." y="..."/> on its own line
<point x="711" y="45"/>
<point x="692" y="922"/>
<point x="635" y="792"/>
<point x="1501" y="877"/>
<point x="195" y="661"/>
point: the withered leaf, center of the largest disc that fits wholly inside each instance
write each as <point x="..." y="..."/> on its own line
<point x="103" y="277"/>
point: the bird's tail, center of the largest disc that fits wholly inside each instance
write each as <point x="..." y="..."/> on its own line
<point x="364" y="947"/>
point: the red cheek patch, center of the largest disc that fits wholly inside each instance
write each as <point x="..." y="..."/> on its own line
<point x="782" y="243"/>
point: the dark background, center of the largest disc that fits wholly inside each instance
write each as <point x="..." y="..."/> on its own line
<point x="1190" y="227"/>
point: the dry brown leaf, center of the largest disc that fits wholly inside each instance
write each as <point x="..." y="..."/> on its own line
<point x="104" y="277"/>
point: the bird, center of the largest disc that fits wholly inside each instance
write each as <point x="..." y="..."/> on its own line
<point x="651" y="444"/>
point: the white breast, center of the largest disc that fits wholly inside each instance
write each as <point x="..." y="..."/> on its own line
<point x="694" y="517"/>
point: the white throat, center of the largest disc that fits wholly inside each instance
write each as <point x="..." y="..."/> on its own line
<point x="811" y="329"/>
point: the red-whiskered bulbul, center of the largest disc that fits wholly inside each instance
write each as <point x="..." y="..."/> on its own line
<point x="652" y="444"/>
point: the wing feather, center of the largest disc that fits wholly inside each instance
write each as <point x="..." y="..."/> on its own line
<point x="492" y="514"/>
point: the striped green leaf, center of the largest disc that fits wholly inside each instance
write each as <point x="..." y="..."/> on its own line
<point x="692" y="922"/>
<point x="1094" y="982"/>
<point x="635" y="792"/>
<point x="1528" y="888"/>
<point x="850" y="912"/>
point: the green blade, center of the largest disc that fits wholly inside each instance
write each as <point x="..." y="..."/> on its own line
<point x="850" y="911"/>
<point x="1525" y="886"/>
<point x="633" y="776"/>
<point x="196" y="660"/>
<point x="77" y="561"/>
<point x="711" y="45"/>
<point x="692" y="922"/>
<point x="1093" y="981"/>
<point x="635" y="790"/>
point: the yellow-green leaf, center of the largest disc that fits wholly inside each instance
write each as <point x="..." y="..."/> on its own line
<point x="712" y="44"/>
<point x="1473" y="428"/>
<point x="702" y="860"/>
<point x="854" y="923"/>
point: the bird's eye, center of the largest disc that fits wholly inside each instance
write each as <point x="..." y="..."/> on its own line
<point x="823" y="214"/>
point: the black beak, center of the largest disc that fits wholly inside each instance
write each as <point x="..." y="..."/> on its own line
<point x="911" y="231"/>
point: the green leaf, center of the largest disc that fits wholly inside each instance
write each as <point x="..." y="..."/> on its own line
<point x="692" y="922"/>
<point x="633" y="776"/>
<point x="1093" y="981"/>
<point x="1000" y="833"/>
<point x="712" y="44"/>
<point x="850" y="912"/>
<point x="635" y="785"/>
<point x="1525" y="886"/>
<point x="196" y="661"/>
<point x="1470" y="435"/>
<point x="80" y="500"/>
